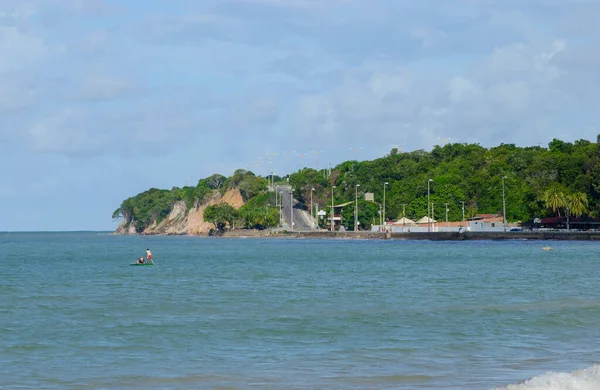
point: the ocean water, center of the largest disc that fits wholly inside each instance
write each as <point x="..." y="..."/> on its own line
<point x="297" y="314"/>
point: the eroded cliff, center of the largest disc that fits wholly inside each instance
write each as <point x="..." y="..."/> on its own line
<point x="180" y="221"/>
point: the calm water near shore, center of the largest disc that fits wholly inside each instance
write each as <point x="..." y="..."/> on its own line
<point x="297" y="313"/>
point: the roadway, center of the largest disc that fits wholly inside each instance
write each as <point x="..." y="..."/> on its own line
<point x="291" y="213"/>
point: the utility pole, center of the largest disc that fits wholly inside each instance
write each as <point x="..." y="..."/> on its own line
<point x="292" y="208"/>
<point x="356" y="208"/>
<point x="503" y="205"/>
<point x="332" y="210"/>
<point x="428" y="209"/>
<point x="463" y="210"/>
<point x="312" y="222"/>
<point x="447" y="225"/>
<point x="281" y="208"/>
<point x="432" y="215"/>
<point x="383" y="217"/>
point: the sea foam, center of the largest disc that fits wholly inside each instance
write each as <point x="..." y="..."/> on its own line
<point x="584" y="379"/>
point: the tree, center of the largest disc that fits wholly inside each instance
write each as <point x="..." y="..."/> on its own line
<point x="368" y="212"/>
<point x="216" y="181"/>
<point x="578" y="204"/>
<point x="540" y="178"/>
<point x="252" y="186"/>
<point x="554" y="199"/>
<point x="220" y="215"/>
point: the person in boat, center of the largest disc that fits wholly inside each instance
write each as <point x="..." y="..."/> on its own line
<point x="148" y="255"/>
<point x="141" y="260"/>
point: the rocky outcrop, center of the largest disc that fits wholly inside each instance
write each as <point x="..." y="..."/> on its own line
<point x="124" y="228"/>
<point x="180" y="221"/>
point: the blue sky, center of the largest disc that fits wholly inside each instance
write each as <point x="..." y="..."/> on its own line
<point x="103" y="99"/>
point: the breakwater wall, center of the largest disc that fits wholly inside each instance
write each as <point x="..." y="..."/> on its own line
<point x="443" y="236"/>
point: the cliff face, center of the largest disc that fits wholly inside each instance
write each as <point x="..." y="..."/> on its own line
<point x="180" y="221"/>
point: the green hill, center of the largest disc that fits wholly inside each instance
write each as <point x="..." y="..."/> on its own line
<point x="538" y="182"/>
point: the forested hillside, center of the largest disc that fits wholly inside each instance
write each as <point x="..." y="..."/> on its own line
<point x="154" y="205"/>
<point x="538" y="182"/>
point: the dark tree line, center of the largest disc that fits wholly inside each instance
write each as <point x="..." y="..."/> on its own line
<point x="538" y="182"/>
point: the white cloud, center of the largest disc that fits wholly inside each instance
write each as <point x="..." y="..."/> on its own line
<point x="461" y="89"/>
<point x="63" y="132"/>
<point x="91" y="78"/>
<point x="388" y="84"/>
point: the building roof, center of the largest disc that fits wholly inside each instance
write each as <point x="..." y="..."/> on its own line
<point x="404" y="221"/>
<point x="484" y="216"/>
<point x="572" y="220"/>
<point x="342" y="204"/>
<point x="426" y="219"/>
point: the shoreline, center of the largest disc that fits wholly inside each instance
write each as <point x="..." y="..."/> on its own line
<point x="432" y="236"/>
<point x="436" y="236"/>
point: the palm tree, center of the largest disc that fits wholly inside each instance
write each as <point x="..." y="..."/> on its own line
<point x="578" y="204"/>
<point x="554" y="199"/>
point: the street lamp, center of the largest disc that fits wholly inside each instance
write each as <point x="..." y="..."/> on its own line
<point x="447" y="209"/>
<point x="312" y="222"/>
<point x="463" y="210"/>
<point x="281" y="208"/>
<point x="428" y="207"/>
<point x="356" y="207"/>
<point x="332" y="213"/>
<point x="503" y="205"/>
<point x="384" y="184"/>
<point x="291" y="209"/>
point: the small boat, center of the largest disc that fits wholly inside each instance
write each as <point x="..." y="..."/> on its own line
<point x="142" y="261"/>
<point x="547" y="248"/>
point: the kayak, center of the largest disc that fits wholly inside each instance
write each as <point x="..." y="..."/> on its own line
<point x="142" y="264"/>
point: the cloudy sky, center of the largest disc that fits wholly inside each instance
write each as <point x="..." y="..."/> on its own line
<point x="103" y="99"/>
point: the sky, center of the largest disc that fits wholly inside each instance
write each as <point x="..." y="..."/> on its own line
<point x="103" y="99"/>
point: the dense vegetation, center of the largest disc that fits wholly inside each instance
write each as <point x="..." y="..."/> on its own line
<point x="563" y="178"/>
<point x="154" y="205"/>
<point x="538" y="182"/>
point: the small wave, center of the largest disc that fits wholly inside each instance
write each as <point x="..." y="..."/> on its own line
<point x="585" y="379"/>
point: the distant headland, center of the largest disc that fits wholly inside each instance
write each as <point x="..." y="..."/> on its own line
<point x="555" y="187"/>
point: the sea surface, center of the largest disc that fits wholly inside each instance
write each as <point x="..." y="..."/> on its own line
<point x="236" y="313"/>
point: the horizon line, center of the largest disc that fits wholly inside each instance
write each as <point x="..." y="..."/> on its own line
<point x="56" y="231"/>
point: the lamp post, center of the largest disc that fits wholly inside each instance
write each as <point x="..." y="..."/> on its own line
<point x="383" y="218"/>
<point x="280" y="207"/>
<point x="463" y="210"/>
<point x="291" y="209"/>
<point x="332" y="213"/>
<point x="503" y="205"/>
<point x="356" y="207"/>
<point x="312" y="221"/>
<point x="428" y="207"/>
<point x="447" y="225"/>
